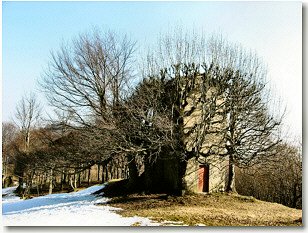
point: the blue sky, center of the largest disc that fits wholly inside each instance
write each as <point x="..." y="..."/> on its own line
<point x="30" y="30"/>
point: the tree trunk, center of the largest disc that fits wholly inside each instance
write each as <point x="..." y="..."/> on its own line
<point x="41" y="181"/>
<point x="103" y="176"/>
<point x="45" y="178"/>
<point x="148" y="177"/>
<point x="63" y="180"/>
<point x="106" y="172"/>
<point x="50" y="181"/>
<point x="98" y="170"/>
<point x="79" y="179"/>
<point x="4" y="169"/>
<point x="182" y="181"/>
<point x="125" y="173"/>
<point x="231" y="176"/>
<point x="295" y="196"/>
<point x="71" y="182"/>
<point x="38" y="190"/>
<point x="89" y="174"/>
<point x="133" y="172"/>
<point x="118" y="173"/>
<point x="75" y="180"/>
<point x="29" y="183"/>
<point x="111" y="170"/>
<point x="26" y="190"/>
<point x="20" y="188"/>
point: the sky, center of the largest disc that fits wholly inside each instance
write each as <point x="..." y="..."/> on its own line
<point x="31" y="30"/>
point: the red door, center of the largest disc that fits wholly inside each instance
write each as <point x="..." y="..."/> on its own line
<point x="203" y="178"/>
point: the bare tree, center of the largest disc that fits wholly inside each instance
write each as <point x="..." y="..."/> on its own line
<point x="251" y="131"/>
<point x="9" y="134"/>
<point x="9" y="131"/>
<point x="27" y="114"/>
<point x="90" y="76"/>
<point x="248" y="128"/>
<point x="234" y="120"/>
<point x="178" y="47"/>
<point x="226" y="85"/>
<point x="278" y="179"/>
<point x="87" y="82"/>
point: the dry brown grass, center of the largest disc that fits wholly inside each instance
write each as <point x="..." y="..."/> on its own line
<point x="210" y="210"/>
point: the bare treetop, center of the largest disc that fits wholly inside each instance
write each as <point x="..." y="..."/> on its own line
<point x="89" y="76"/>
<point x="27" y="115"/>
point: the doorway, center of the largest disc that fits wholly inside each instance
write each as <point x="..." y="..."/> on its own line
<point x="203" y="178"/>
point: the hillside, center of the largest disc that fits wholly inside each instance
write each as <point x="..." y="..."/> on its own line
<point x="160" y="209"/>
<point x="208" y="209"/>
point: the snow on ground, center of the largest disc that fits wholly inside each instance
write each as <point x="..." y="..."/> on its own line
<point x="65" y="209"/>
<point x="9" y="195"/>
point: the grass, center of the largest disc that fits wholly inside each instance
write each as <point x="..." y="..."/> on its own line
<point x="208" y="209"/>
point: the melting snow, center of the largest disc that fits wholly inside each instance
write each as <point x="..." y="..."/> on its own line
<point x="65" y="209"/>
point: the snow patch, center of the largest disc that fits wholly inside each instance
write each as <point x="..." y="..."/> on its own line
<point x="8" y="195"/>
<point x="65" y="209"/>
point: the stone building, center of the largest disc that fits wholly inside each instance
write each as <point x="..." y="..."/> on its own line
<point x="206" y="170"/>
<point x="209" y="171"/>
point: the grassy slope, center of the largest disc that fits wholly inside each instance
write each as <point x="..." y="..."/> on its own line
<point x="210" y="210"/>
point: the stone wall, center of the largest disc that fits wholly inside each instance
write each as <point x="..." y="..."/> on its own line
<point x="202" y="134"/>
<point x="218" y="173"/>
